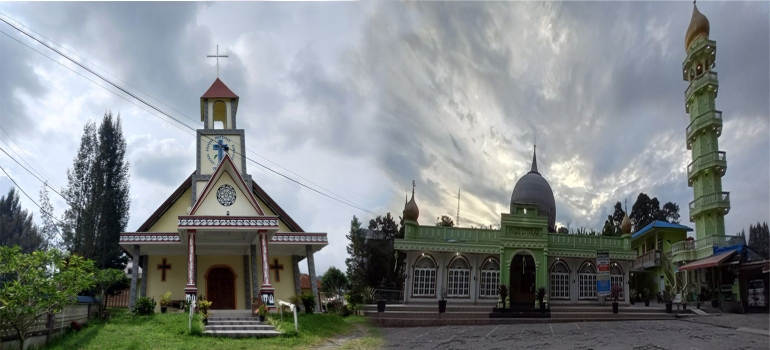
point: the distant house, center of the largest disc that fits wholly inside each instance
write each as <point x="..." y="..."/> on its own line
<point x="304" y="282"/>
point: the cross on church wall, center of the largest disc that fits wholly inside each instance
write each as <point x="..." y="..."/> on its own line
<point x="277" y="267"/>
<point x="164" y="266"/>
<point x="221" y="148"/>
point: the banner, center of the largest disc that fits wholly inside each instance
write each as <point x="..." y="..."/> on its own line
<point x="602" y="272"/>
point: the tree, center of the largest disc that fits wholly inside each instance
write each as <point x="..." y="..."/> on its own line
<point x="670" y="212"/>
<point x="609" y="228"/>
<point x="357" y="255"/>
<point x="98" y="195"/>
<point x="50" y="230"/>
<point x="759" y="238"/>
<point x="105" y="282"/>
<point x="563" y="230"/>
<point x="380" y="264"/>
<point x="38" y="283"/>
<point x="445" y="221"/>
<point x="644" y="211"/>
<point x="333" y="282"/>
<point x="17" y="227"/>
<point x="617" y="217"/>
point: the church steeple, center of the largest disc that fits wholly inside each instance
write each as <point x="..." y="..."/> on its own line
<point x="534" y="161"/>
<point x="218" y="107"/>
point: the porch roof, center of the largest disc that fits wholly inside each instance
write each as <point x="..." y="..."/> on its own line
<point x="711" y="261"/>
<point x="659" y="225"/>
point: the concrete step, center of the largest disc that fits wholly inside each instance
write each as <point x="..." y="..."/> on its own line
<point x="230" y="327"/>
<point x="243" y="333"/>
<point x="433" y="307"/>
<point x="610" y="315"/>
<point x="254" y="322"/>
<point x="583" y="309"/>
<point x="426" y="314"/>
<point x="403" y="322"/>
<point x="219" y="318"/>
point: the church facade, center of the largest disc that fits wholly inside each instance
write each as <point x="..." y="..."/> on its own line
<point x="219" y="235"/>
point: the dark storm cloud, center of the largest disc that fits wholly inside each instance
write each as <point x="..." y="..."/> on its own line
<point x="17" y="78"/>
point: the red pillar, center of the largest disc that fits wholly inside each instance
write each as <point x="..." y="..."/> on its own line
<point x="191" y="287"/>
<point x="266" y="291"/>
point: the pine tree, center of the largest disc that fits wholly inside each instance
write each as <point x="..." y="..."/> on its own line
<point x="356" y="262"/>
<point x="98" y="195"/>
<point x="617" y="217"/>
<point x="49" y="231"/>
<point x="759" y="238"/>
<point x="17" y="227"/>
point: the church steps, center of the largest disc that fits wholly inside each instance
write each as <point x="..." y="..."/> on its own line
<point x="243" y="333"/>
<point x="231" y="327"/>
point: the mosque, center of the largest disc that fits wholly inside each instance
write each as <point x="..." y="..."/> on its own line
<point x="464" y="265"/>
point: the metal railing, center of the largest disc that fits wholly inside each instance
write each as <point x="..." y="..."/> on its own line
<point x="719" y="241"/>
<point x="293" y="308"/>
<point x="682" y="246"/>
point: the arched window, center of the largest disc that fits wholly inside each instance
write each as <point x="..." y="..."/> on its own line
<point x="490" y="278"/>
<point x="220" y="115"/>
<point x="424" y="283"/>
<point x="560" y="281"/>
<point x="458" y="278"/>
<point x="587" y="281"/>
<point x="616" y="278"/>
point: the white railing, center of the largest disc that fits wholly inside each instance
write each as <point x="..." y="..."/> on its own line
<point x="703" y="119"/>
<point x="682" y="246"/>
<point x="293" y="309"/>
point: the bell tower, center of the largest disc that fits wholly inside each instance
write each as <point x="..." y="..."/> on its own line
<point x="219" y="136"/>
<point x="704" y="174"/>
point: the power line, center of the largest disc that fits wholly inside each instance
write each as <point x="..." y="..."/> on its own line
<point x="343" y="200"/>
<point x="39" y="167"/>
<point x="30" y="198"/>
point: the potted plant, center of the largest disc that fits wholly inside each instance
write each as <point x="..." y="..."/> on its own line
<point x="203" y="307"/>
<point x="540" y="295"/>
<point x="502" y="290"/>
<point x="255" y="302"/>
<point x="165" y="301"/>
<point x="442" y="302"/>
<point x="632" y="296"/>
<point x="646" y="297"/>
<point x="262" y="312"/>
<point x="615" y="294"/>
<point x="667" y="298"/>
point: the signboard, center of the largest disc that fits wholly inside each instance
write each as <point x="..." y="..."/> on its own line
<point x="602" y="272"/>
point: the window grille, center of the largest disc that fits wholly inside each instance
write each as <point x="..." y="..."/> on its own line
<point x="490" y="279"/>
<point x="424" y="283"/>
<point x="616" y="278"/>
<point x="458" y="281"/>
<point x="560" y="281"/>
<point x="587" y="282"/>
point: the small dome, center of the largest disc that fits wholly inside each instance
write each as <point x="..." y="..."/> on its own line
<point x="625" y="225"/>
<point x="411" y="211"/>
<point x="532" y="188"/>
<point x="699" y="26"/>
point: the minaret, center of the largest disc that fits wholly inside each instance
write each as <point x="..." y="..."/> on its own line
<point x="704" y="174"/>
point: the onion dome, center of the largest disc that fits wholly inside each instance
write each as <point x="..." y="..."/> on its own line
<point x="411" y="211"/>
<point x="625" y="225"/>
<point x="699" y="26"/>
<point x="532" y="188"/>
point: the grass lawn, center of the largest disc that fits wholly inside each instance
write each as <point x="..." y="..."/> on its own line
<point x="169" y="331"/>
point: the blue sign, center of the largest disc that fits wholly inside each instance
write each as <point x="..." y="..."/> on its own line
<point x="603" y="287"/>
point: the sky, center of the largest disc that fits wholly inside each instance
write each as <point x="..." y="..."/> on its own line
<point x="360" y="99"/>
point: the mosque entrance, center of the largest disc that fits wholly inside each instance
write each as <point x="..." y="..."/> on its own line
<point x="522" y="283"/>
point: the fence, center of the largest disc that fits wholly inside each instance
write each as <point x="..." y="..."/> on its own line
<point x="120" y="300"/>
<point x="46" y="328"/>
<point x="390" y="295"/>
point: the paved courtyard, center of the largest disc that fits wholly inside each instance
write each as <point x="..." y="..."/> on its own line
<point x="701" y="333"/>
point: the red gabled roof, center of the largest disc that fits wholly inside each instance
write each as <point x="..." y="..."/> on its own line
<point x="226" y="163"/>
<point x="261" y="194"/>
<point x="304" y="281"/>
<point x="219" y="89"/>
<point x="167" y="204"/>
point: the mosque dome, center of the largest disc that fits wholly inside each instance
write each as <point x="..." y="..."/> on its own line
<point x="532" y="188"/>
<point x="625" y="225"/>
<point x="699" y="26"/>
<point x="411" y="211"/>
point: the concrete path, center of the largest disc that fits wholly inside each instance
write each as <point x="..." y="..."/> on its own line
<point x="641" y="335"/>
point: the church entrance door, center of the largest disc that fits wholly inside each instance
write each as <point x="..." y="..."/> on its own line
<point x="522" y="282"/>
<point x="220" y="288"/>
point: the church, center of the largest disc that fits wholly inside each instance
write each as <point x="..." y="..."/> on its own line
<point x="219" y="235"/>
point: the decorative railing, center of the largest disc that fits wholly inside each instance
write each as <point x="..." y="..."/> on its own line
<point x="718" y="158"/>
<point x="703" y="120"/>
<point x="719" y="241"/>
<point x="455" y="234"/>
<point x="709" y="77"/>
<point x="558" y="240"/>
<point x="649" y="259"/>
<point x="682" y="246"/>
<point x="710" y="201"/>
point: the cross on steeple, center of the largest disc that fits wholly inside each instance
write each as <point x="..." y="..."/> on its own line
<point x="164" y="266"/>
<point x="217" y="56"/>
<point x="276" y="266"/>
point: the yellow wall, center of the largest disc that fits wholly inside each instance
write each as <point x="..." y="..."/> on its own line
<point x="176" y="277"/>
<point x="285" y="288"/>
<point x="241" y="207"/>
<point x="207" y="151"/>
<point x="170" y="219"/>
<point x="281" y="225"/>
<point x="234" y="261"/>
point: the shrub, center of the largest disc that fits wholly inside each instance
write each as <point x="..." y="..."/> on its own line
<point x="296" y="300"/>
<point x="308" y="300"/>
<point x="333" y="306"/>
<point x="615" y="291"/>
<point x="344" y="311"/>
<point x="75" y="326"/>
<point x="203" y="307"/>
<point x="165" y="301"/>
<point x="144" y="306"/>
